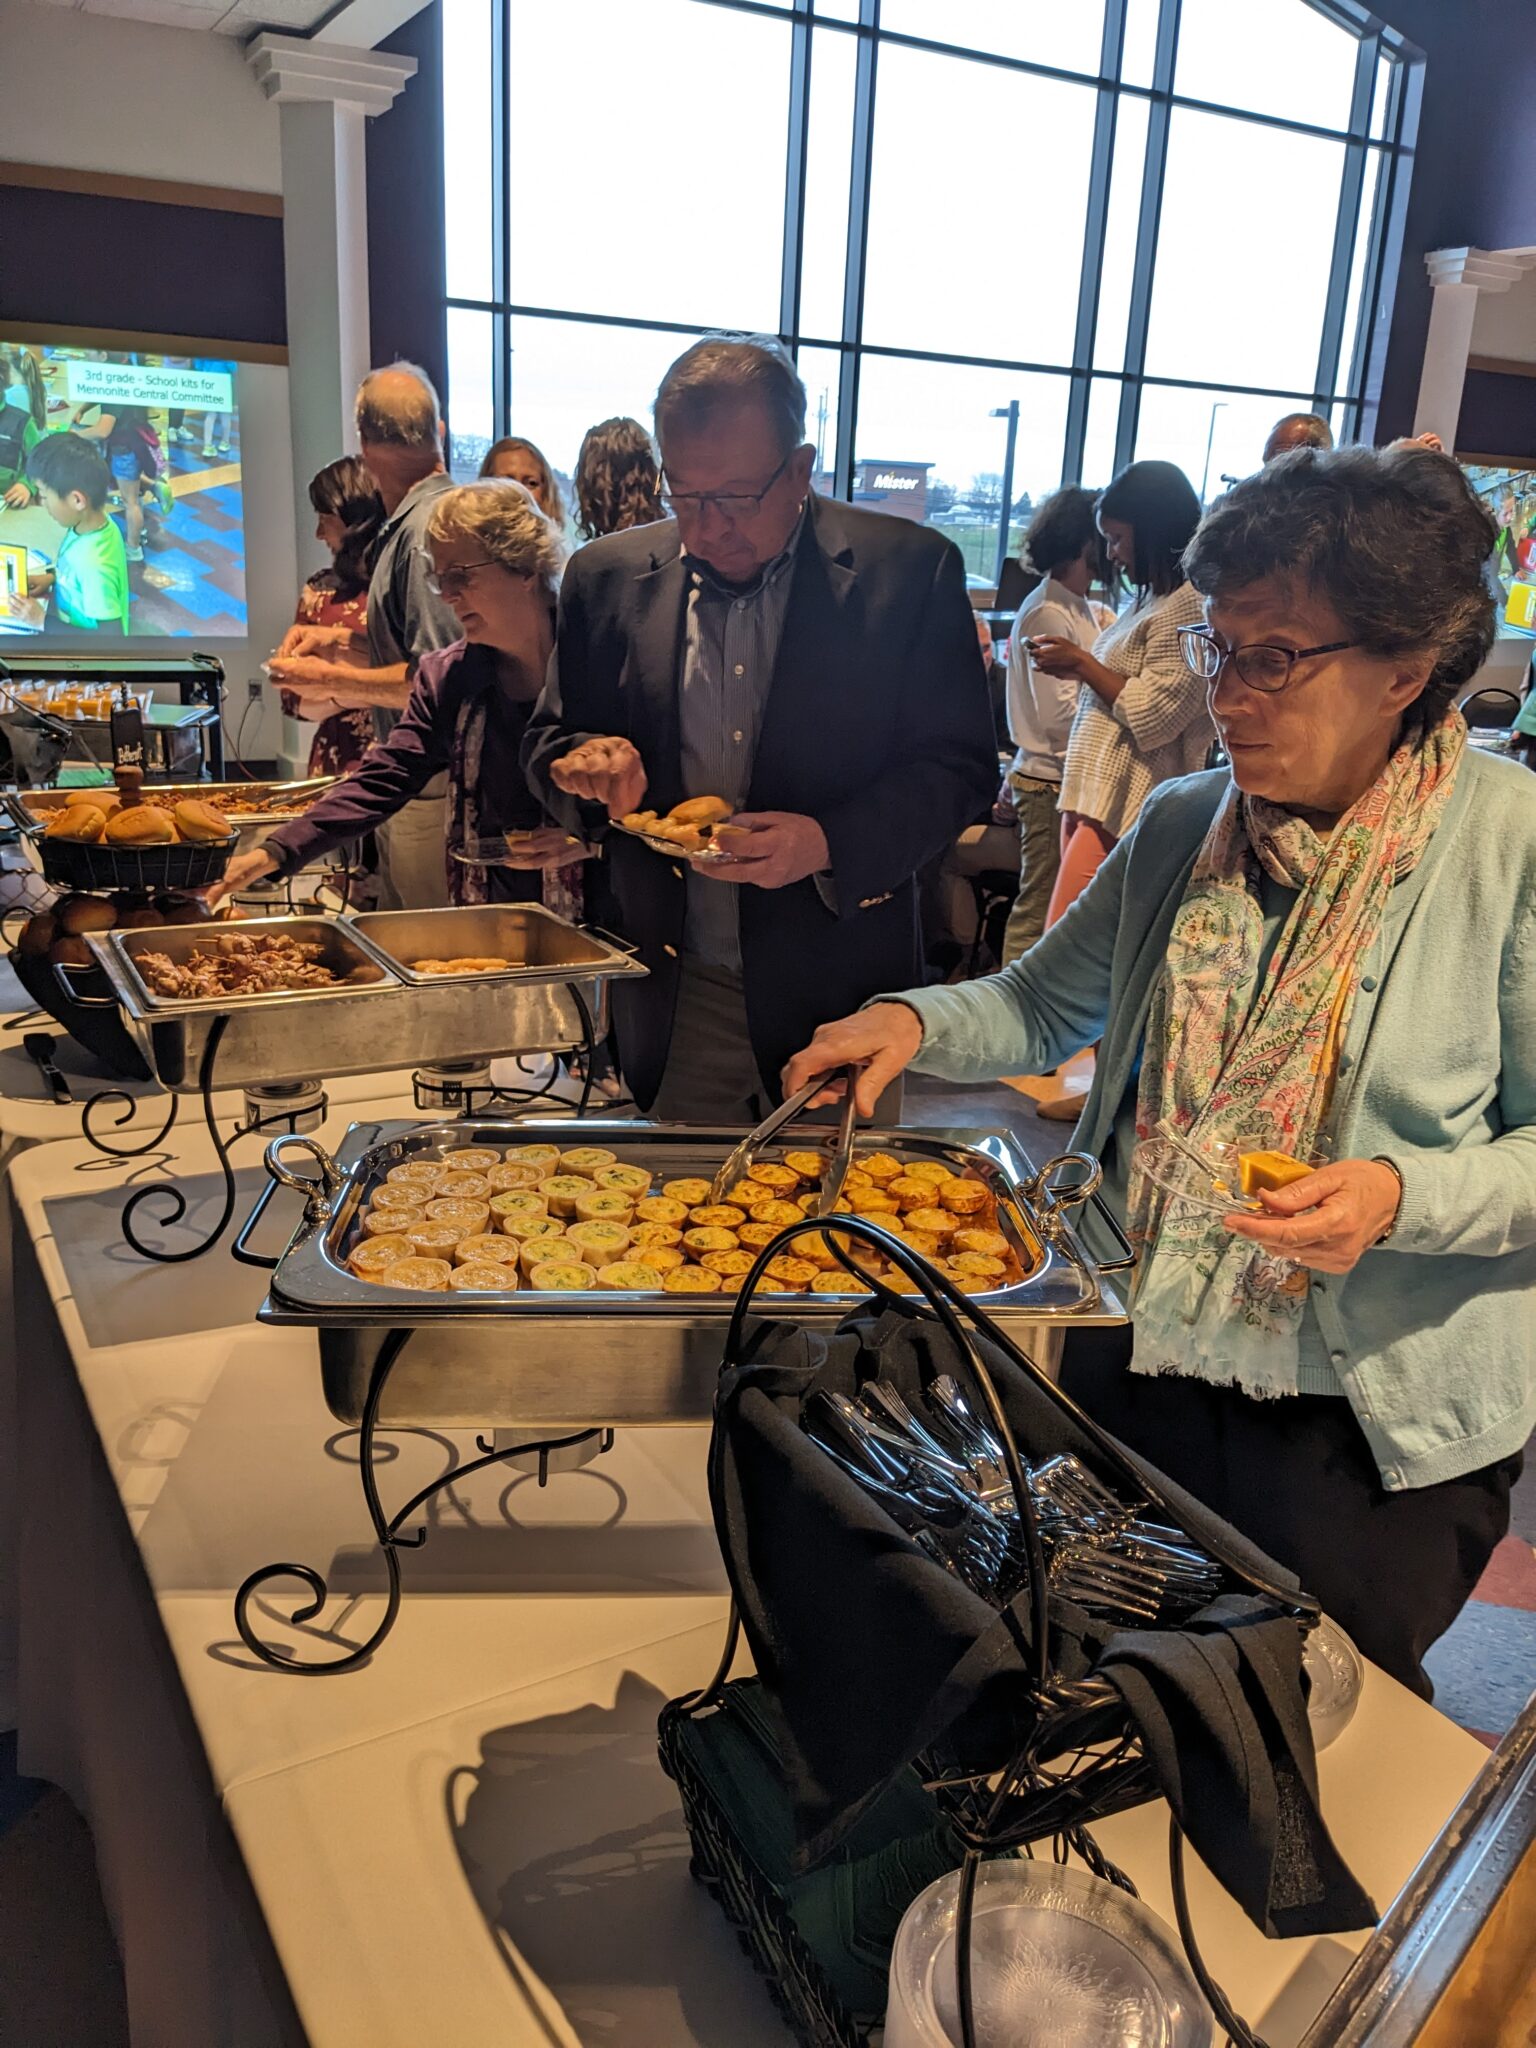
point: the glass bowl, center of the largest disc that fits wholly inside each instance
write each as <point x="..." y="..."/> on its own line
<point x="1335" y="1673"/>
<point x="1059" y="1960"/>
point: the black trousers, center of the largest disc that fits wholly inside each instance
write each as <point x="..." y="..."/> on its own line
<point x="1297" y="1477"/>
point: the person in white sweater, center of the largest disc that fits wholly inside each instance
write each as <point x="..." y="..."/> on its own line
<point x="1141" y="717"/>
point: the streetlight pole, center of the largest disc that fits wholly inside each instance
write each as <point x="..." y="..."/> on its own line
<point x="1205" y="474"/>
<point x="1010" y="413"/>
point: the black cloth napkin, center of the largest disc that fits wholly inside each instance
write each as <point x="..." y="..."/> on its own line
<point x="875" y="1654"/>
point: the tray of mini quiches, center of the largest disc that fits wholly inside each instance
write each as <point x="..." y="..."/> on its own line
<point x="580" y="1219"/>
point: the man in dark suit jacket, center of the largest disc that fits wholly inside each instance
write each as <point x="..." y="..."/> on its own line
<point x="813" y="664"/>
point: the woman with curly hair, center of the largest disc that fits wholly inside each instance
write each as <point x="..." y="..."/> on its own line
<point x="496" y="560"/>
<point x="524" y="464"/>
<point x="618" y="479"/>
<point x="1325" y="949"/>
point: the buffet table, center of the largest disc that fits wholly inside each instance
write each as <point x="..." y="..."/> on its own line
<point x="468" y="1839"/>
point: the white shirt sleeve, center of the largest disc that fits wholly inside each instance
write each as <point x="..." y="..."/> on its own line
<point x="1054" y="698"/>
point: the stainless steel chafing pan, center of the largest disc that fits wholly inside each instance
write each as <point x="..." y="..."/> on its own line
<point x="585" y="1358"/>
<point x="536" y="945"/>
<point x="362" y="1026"/>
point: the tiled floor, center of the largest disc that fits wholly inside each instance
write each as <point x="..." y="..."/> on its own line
<point x="60" y="1980"/>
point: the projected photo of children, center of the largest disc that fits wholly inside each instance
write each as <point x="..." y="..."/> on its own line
<point x="121" y="507"/>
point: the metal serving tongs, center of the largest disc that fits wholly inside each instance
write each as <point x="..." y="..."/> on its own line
<point x="736" y="1165"/>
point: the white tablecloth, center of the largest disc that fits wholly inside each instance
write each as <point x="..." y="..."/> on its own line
<point x="468" y="1840"/>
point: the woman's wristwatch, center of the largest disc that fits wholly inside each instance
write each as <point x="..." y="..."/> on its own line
<point x="1396" y="1172"/>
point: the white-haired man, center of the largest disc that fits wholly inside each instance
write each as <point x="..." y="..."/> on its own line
<point x="400" y="433"/>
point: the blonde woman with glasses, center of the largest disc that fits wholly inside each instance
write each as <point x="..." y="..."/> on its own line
<point x="496" y="560"/>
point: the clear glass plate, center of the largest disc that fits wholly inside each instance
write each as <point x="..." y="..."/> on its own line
<point x="1060" y="1959"/>
<point x="1335" y="1674"/>
<point x="1214" y="1185"/>
<point x="495" y="850"/>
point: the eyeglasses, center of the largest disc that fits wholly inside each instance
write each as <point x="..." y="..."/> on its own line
<point x="729" y="504"/>
<point x="454" y="581"/>
<point x="1260" y="663"/>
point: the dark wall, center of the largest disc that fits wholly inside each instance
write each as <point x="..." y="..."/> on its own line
<point x="406" y="263"/>
<point x="75" y="260"/>
<point x="1498" y="415"/>
<point x="1474" y="183"/>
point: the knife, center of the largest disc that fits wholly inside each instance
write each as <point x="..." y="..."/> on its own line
<point x="38" y="1045"/>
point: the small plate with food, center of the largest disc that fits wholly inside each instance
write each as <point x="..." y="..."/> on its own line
<point x="502" y="849"/>
<point x="687" y="831"/>
<point x="1223" y="1176"/>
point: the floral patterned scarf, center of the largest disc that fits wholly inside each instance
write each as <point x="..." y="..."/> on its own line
<point x="1227" y="1058"/>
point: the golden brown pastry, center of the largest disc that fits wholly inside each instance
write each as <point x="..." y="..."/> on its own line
<point x="37" y="935"/>
<point x="481" y="1277"/>
<point x="691" y="1280"/>
<point x="628" y="1276"/>
<point x="428" y="1276"/>
<point x="391" y="1222"/>
<point x="85" y="822"/>
<point x="486" y="1248"/>
<point x="700" y="810"/>
<point x="141" y="825"/>
<point x="199" y="824"/>
<point x="376" y="1254"/>
<point x="70" y="953"/>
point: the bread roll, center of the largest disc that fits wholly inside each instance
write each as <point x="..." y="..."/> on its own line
<point x="86" y="822"/>
<point x="37" y="935"/>
<point x="199" y="824"/>
<point x="70" y="953"/>
<point x="700" y="810"/>
<point x="145" y="918"/>
<point x="141" y="825"/>
<point x="80" y="914"/>
<point x="183" y="909"/>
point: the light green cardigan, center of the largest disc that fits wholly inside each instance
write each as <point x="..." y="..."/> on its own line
<point x="1433" y="1335"/>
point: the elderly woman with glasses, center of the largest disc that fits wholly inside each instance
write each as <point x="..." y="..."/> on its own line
<point x="496" y="559"/>
<point x="1328" y="950"/>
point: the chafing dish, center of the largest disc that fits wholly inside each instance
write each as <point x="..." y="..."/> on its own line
<point x="608" y="1357"/>
<point x="358" y="1027"/>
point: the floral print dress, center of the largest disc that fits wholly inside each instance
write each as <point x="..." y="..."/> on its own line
<point x="340" y="741"/>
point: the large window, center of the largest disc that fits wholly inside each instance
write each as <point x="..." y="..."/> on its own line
<point x="1011" y="242"/>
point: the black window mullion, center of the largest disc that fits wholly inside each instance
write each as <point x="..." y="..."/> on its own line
<point x="1351" y="185"/>
<point x="858" y="244"/>
<point x="794" y="177"/>
<point x="1146" y="229"/>
<point x="1389" y="220"/>
<point x="1101" y="166"/>
<point x="501" y="219"/>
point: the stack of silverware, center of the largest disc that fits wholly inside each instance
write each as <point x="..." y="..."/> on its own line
<point x="939" y="1471"/>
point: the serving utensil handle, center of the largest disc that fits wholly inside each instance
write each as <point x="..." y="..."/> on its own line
<point x="744" y="1154"/>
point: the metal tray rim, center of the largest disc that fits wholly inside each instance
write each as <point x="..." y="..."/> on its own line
<point x="612" y="964"/>
<point x="1066" y="1284"/>
<point x="33" y="821"/>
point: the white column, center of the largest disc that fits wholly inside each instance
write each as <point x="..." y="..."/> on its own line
<point x="1458" y="276"/>
<point x="325" y="95"/>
